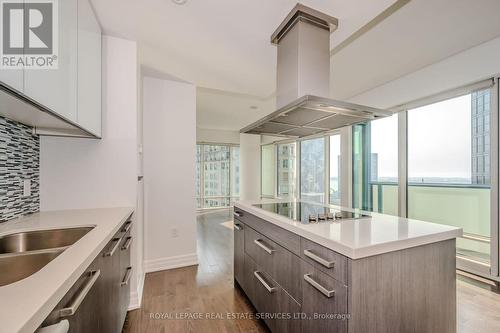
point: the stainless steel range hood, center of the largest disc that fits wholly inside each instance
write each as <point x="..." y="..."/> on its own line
<point x="303" y="41"/>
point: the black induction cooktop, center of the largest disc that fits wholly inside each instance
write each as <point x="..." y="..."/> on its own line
<point x="308" y="212"/>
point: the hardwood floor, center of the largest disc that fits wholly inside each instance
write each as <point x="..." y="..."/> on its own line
<point x="208" y="289"/>
<point x="478" y="308"/>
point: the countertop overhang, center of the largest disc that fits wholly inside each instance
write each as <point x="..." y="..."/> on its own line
<point x="26" y="303"/>
<point x="363" y="237"/>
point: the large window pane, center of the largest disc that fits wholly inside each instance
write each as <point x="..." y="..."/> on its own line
<point x="217" y="175"/>
<point x="335" y="169"/>
<point x="312" y="170"/>
<point x="287" y="173"/>
<point x="384" y="165"/>
<point x="448" y="168"/>
<point x="198" y="176"/>
<point x="267" y="171"/>
<point x="375" y="166"/>
<point x="235" y="173"/>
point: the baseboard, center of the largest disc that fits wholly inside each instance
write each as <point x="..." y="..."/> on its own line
<point x="162" y="264"/>
<point x="136" y="295"/>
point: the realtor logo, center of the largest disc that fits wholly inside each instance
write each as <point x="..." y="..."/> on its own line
<point x="29" y="34"/>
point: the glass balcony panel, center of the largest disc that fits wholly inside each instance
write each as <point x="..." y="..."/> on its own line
<point x="385" y="198"/>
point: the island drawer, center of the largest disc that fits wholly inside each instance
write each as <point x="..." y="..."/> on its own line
<point x="325" y="303"/>
<point x="324" y="259"/>
<point x="281" y="264"/>
<point x="273" y="303"/>
<point x="285" y="238"/>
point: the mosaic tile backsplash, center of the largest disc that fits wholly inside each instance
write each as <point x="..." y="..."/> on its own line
<point x="19" y="160"/>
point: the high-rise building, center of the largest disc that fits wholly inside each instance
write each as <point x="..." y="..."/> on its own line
<point x="286" y="170"/>
<point x="217" y="175"/>
<point x="480" y="150"/>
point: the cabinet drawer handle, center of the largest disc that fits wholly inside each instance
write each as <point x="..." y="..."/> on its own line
<point x="71" y="310"/>
<point x="264" y="283"/>
<point x="117" y="242"/>
<point x="238" y="214"/>
<point x="127" y="227"/>
<point x="259" y="243"/>
<point x="318" y="259"/>
<point x="238" y="227"/>
<point x="127" y="277"/>
<point x="320" y="288"/>
<point x="127" y="243"/>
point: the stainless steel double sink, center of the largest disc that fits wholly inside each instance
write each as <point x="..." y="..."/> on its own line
<point x="25" y="253"/>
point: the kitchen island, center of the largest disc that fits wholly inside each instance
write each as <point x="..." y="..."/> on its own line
<point x="317" y="268"/>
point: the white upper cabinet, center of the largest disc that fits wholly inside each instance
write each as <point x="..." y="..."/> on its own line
<point x="72" y="91"/>
<point x="13" y="78"/>
<point x="89" y="69"/>
<point x="56" y="89"/>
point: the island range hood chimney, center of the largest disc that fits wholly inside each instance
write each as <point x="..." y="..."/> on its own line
<point x="303" y="74"/>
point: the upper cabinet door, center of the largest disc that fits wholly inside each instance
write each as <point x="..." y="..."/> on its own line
<point x="57" y="88"/>
<point x="13" y="78"/>
<point x="89" y="68"/>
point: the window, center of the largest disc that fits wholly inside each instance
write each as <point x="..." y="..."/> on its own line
<point x="217" y="175"/>
<point x="267" y="171"/>
<point x="375" y="162"/>
<point x="287" y="173"/>
<point x="449" y="168"/>
<point x="335" y="169"/>
<point x="384" y="165"/>
<point x="235" y="172"/>
<point x="198" y="176"/>
<point x="312" y="170"/>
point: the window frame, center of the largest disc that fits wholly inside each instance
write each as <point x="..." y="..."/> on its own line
<point x="467" y="264"/>
<point x="347" y="193"/>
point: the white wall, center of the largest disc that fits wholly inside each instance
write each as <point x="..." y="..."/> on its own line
<point x="470" y="66"/>
<point x="217" y="136"/>
<point x="87" y="173"/>
<point x="250" y="166"/>
<point x="169" y="116"/>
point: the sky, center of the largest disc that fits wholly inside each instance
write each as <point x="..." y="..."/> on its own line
<point x="439" y="141"/>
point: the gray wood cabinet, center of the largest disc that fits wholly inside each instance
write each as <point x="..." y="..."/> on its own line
<point x="283" y="265"/>
<point x="323" y="298"/>
<point x="297" y="285"/>
<point x="276" y="307"/>
<point x="125" y="274"/>
<point x="239" y="251"/>
<point x="110" y="284"/>
<point x="98" y="301"/>
<point x="86" y="314"/>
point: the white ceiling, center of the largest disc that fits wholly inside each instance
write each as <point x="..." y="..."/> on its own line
<point x="219" y="44"/>
<point x="223" y="45"/>
<point x="419" y="34"/>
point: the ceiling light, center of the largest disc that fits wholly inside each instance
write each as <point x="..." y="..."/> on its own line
<point x="179" y="2"/>
<point x="253" y="107"/>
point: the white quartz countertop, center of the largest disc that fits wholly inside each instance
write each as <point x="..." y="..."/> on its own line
<point x="359" y="238"/>
<point x="25" y="304"/>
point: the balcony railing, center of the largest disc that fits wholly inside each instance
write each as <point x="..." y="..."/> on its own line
<point x="462" y="205"/>
<point x="215" y="202"/>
